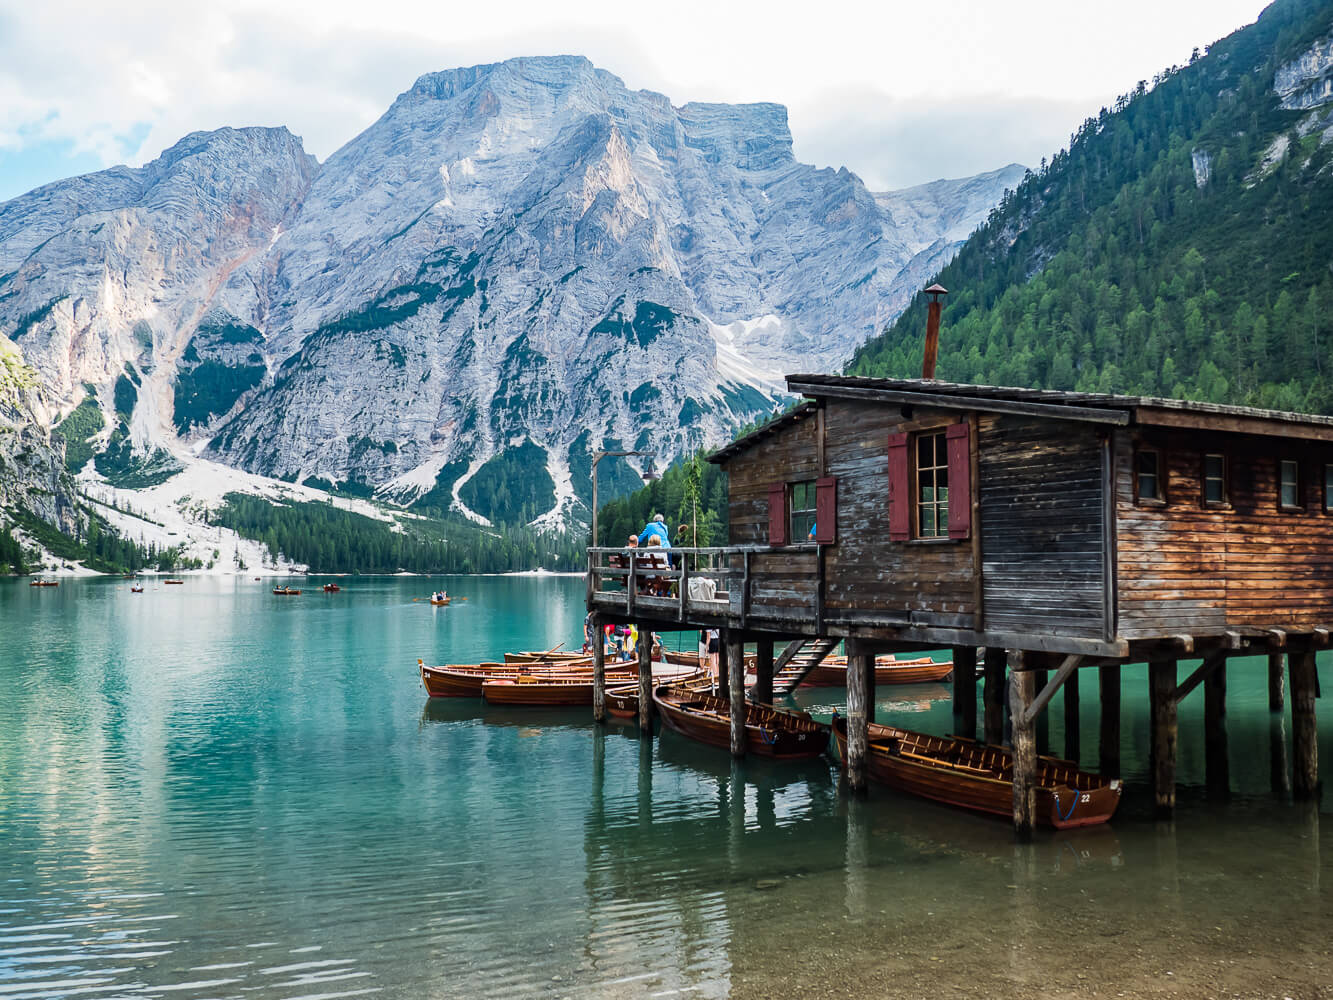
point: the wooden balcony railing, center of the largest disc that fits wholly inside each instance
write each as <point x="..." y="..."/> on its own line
<point x="678" y="583"/>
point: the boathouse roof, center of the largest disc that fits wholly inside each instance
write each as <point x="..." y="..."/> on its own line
<point x="1094" y="407"/>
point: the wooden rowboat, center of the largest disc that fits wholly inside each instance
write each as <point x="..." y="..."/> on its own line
<point x="44" y="583"/>
<point x="136" y="590"/>
<point x="920" y="671"/>
<point x="529" y="690"/>
<point x="979" y="776"/>
<point x="441" y="603"/>
<point x="768" y="731"/>
<point x="331" y="588"/>
<point x="182" y="581"/>
<point x="683" y="658"/>
<point x="549" y="656"/>
<point x="280" y="591"/>
<point x="466" y="680"/>
<point x="622" y="701"/>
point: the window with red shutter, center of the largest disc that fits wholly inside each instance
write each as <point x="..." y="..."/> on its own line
<point x="960" y="480"/>
<point x="826" y="510"/>
<point x="777" y="514"/>
<point x="900" y="507"/>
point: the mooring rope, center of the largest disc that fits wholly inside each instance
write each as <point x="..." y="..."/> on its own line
<point x="1064" y="817"/>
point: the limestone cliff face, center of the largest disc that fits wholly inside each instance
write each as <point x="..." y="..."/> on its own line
<point x="520" y="259"/>
<point x="32" y="470"/>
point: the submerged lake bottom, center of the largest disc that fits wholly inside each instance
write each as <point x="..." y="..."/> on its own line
<point x="207" y="791"/>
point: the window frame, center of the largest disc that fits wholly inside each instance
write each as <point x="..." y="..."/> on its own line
<point x="802" y="537"/>
<point x="1225" y="479"/>
<point x="1282" y="505"/>
<point x="1159" y="498"/>
<point x="940" y="456"/>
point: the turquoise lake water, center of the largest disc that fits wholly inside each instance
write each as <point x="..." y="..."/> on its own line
<point x="208" y="791"/>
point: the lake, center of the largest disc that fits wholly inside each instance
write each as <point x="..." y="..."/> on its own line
<point x="209" y="791"/>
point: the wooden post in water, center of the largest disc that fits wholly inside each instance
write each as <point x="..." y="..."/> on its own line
<point x="723" y="674"/>
<point x="1022" y="689"/>
<point x="860" y="669"/>
<point x="993" y="695"/>
<point x="1162" y="680"/>
<point x="965" y="691"/>
<point x="763" y="672"/>
<point x="1042" y="724"/>
<point x="1304" y="744"/>
<point x="1070" y="689"/>
<point x="1217" y="767"/>
<point x="598" y="670"/>
<point x="1109" y="741"/>
<point x="736" y="690"/>
<point x="1276" y="682"/>
<point x="645" y="681"/>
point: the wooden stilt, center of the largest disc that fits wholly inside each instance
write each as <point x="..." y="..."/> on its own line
<point x="1276" y="682"/>
<point x="1042" y="724"/>
<point x="645" y="681"/>
<point x="859" y="665"/>
<point x="1022" y="688"/>
<point x="1218" y="768"/>
<point x="1304" y="744"/>
<point x="723" y="674"/>
<point x="965" y="691"/>
<point x="736" y="690"/>
<point x="763" y="672"/>
<point x="1109" y="742"/>
<point x="598" y="670"/>
<point x="1070" y="689"/>
<point x="1162" y="678"/>
<point x="1279" y="765"/>
<point x="993" y="697"/>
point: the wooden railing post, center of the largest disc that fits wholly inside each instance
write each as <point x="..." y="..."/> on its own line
<point x="631" y="585"/>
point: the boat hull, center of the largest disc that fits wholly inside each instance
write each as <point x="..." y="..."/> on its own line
<point x="1065" y="796"/>
<point x="531" y="657"/>
<point x="768" y="733"/>
<point x="521" y="692"/>
<point x="914" y="672"/>
<point x="467" y="681"/>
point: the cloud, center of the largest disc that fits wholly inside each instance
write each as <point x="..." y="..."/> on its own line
<point x="895" y="144"/>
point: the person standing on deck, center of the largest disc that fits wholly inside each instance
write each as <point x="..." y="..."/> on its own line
<point x="657" y="526"/>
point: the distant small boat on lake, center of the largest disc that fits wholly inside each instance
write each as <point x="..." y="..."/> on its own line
<point x="282" y="591"/>
<point x="440" y="603"/>
<point x="136" y="590"/>
<point x="173" y="581"/>
<point x="979" y="776"/>
<point x="44" y="583"/>
<point x="331" y="588"/>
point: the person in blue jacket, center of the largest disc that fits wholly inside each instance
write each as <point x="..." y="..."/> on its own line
<point x="657" y="526"/>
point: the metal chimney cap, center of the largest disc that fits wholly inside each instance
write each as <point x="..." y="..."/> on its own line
<point x="937" y="289"/>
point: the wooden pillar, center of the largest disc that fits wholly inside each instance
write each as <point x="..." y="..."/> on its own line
<point x="1162" y="680"/>
<point x="645" y="681"/>
<point x="1042" y="724"/>
<point x="736" y="690"/>
<point x="1217" y="767"/>
<point x="992" y="696"/>
<point x="1070" y="689"/>
<point x="1304" y="745"/>
<point x="965" y="691"/>
<point x="1022" y="689"/>
<point x="763" y="672"/>
<point x="723" y="674"/>
<point x="1276" y="682"/>
<point x="1109" y="741"/>
<point x="1279" y="768"/>
<point x="598" y="671"/>
<point x="860" y="675"/>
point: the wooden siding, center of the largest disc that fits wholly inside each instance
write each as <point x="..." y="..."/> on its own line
<point x="1184" y="567"/>
<point x="790" y="455"/>
<point x="1042" y="526"/>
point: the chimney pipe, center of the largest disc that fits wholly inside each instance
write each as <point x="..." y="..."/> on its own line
<point x="932" y="331"/>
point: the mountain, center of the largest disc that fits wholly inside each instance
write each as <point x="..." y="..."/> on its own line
<point x="517" y="265"/>
<point x="1180" y="246"/>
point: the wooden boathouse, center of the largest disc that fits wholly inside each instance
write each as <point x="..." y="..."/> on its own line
<point x="1038" y="534"/>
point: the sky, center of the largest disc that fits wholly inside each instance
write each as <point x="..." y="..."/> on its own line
<point x="901" y="93"/>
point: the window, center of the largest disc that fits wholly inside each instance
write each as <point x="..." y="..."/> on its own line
<point x="932" y="486"/>
<point x="802" y="512"/>
<point x="1289" y="485"/>
<point x="1148" y="475"/>
<point x="1215" y="480"/>
<point x="1328" y="489"/>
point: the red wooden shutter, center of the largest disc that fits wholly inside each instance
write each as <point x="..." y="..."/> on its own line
<point x="777" y="514"/>
<point x="960" y="480"/>
<point x="899" y="502"/>
<point x="826" y="510"/>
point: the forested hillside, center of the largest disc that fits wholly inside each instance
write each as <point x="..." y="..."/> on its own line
<point x="1182" y="245"/>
